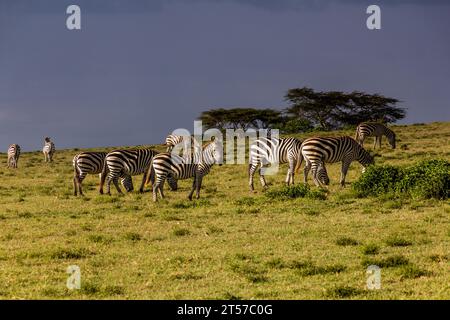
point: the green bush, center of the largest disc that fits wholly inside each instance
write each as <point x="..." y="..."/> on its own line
<point x="426" y="179"/>
<point x="378" y="180"/>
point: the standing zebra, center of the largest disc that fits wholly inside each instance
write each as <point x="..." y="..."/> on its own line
<point x="126" y="163"/>
<point x="172" y="140"/>
<point x="274" y="151"/>
<point x="374" y="129"/>
<point x="13" y="155"/>
<point x="166" y="164"/>
<point x="89" y="163"/>
<point x="320" y="150"/>
<point x="48" y="150"/>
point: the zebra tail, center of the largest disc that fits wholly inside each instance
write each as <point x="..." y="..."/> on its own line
<point x="103" y="177"/>
<point x="150" y="175"/>
<point x="76" y="172"/>
<point x="299" y="161"/>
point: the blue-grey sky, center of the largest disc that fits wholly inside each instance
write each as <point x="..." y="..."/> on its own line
<point x="139" y="69"/>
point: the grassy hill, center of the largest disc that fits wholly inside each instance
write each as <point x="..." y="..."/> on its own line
<point x="230" y="243"/>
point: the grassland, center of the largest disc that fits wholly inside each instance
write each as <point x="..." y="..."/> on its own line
<point x="230" y="244"/>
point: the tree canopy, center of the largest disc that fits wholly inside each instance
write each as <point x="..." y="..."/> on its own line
<point x="307" y="110"/>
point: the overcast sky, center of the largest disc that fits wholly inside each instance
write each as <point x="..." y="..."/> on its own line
<point x="139" y="69"/>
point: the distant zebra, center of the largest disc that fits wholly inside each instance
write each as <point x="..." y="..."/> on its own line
<point x="48" y="150"/>
<point x="165" y="164"/>
<point x="320" y="150"/>
<point x="374" y="129"/>
<point x="88" y="163"/>
<point x="13" y="155"/>
<point x="126" y="163"/>
<point x="274" y="151"/>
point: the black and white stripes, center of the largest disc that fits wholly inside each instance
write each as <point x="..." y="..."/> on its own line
<point x="320" y="150"/>
<point x="126" y="163"/>
<point x="48" y="150"/>
<point x="374" y="129"/>
<point x="13" y="155"/>
<point x="274" y="151"/>
<point x="173" y="140"/>
<point x="166" y="164"/>
<point x="86" y="163"/>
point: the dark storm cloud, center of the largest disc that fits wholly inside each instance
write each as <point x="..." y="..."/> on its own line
<point x="139" y="69"/>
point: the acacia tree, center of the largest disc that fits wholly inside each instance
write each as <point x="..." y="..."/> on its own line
<point x="239" y="118"/>
<point x="334" y="109"/>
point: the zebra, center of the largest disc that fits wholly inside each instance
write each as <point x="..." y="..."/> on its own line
<point x="266" y="151"/>
<point x="86" y="163"/>
<point x="48" y="150"/>
<point x="320" y="150"/>
<point x="165" y="164"/>
<point x="13" y="155"/>
<point x="172" y="140"/>
<point x="126" y="163"/>
<point x="374" y="129"/>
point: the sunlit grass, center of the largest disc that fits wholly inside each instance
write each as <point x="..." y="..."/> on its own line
<point x="230" y="244"/>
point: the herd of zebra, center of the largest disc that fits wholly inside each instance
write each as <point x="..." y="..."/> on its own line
<point x="157" y="167"/>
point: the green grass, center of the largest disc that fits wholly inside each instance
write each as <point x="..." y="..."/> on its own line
<point x="299" y="243"/>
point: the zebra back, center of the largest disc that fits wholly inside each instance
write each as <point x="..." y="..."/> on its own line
<point x="335" y="149"/>
<point x="131" y="161"/>
<point x="266" y="151"/>
<point x="89" y="162"/>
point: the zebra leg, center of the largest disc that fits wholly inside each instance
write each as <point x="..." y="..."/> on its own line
<point x="158" y="187"/>
<point x="80" y="183"/>
<point x="375" y="142"/>
<point x="116" y="184"/>
<point x="344" y="169"/>
<point x="262" y="178"/>
<point x="141" y="189"/>
<point x="108" y="185"/>
<point x="314" y="174"/>
<point x="251" y="173"/>
<point x="199" y="184"/>
<point x="193" y="188"/>
<point x="290" y="173"/>
<point x="75" y="185"/>
<point x="306" y="170"/>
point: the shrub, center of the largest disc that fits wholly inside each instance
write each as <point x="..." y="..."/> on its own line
<point x="346" y="241"/>
<point x="343" y="292"/>
<point x="296" y="191"/>
<point x="426" y="179"/>
<point x="370" y="249"/>
<point x="378" y="180"/>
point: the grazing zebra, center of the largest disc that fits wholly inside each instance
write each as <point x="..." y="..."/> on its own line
<point x="48" y="150"/>
<point x="172" y="140"/>
<point x="126" y="163"/>
<point x="13" y="155"/>
<point x="165" y="164"/>
<point x="274" y="151"/>
<point x="320" y="150"/>
<point x="374" y="129"/>
<point x="88" y="163"/>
